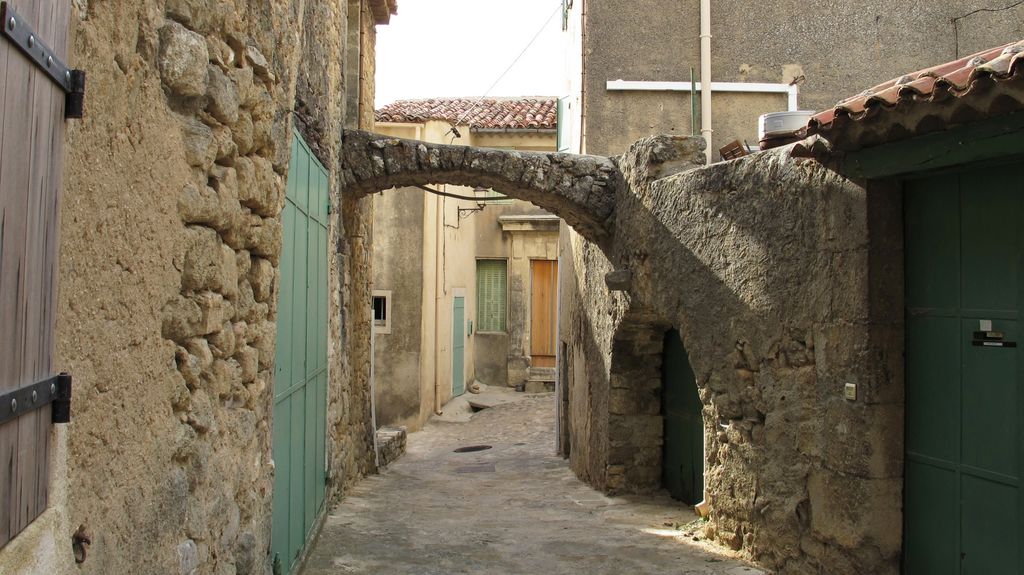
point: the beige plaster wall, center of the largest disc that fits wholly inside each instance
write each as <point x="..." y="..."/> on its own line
<point x="398" y="268"/>
<point x="458" y="277"/>
<point x="503" y="358"/>
<point x="430" y="401"/>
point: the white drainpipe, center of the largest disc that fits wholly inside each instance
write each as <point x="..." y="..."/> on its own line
<point x="705" y="75"/>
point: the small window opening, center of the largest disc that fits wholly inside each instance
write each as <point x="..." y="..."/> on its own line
<point x="382" y="311"/>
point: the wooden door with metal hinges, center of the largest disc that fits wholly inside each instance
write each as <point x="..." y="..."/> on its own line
<point x="34" y="88"/>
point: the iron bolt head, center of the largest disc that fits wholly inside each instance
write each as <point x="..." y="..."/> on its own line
<point x="49" y="61"/>
<point x="31" y="41"/>
<point x="53" y="389"/>
<point x="67" y="76"/>
<point x="34" y="396"/>
<point x="11" y="23"/>
<point x="14" y="405"/>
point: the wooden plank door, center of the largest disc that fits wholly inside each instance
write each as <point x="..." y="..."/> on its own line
<point x="543" y="312"/>
<point x="31" y="155"/>
<point x="683" y="446"/>
<point x="300" y="373"/>
<point x="458" y="346"/>
<point x="964" y="395"/>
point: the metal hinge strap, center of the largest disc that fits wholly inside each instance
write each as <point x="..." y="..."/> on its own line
<point x="72" y="82"/>
<point x="55" y="390"/>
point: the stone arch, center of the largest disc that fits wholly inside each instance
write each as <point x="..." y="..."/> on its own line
<point x="579" y="189"/>
<point x="636" y="420"/>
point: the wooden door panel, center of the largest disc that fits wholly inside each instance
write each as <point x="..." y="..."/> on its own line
<point x="931" y="547"/>
<point x="964" y="251"/>
<point x="543" y="312"/>
<point x="300" y="387"/>
<point x="31" y="156"/>
<point x="683" y="443"/>
<point x="458" y="346"/>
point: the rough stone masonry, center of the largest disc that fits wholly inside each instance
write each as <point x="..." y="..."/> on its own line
<point x="171" y="237"/>
<point x="781" y="278"/>
<point x="580" y="189"/>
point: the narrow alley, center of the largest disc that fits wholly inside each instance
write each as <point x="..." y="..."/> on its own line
<point x="513" y="508"/>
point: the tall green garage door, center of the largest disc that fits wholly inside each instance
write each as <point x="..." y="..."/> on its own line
<point x="964" y="395"/>
<point x="300" y="375"/>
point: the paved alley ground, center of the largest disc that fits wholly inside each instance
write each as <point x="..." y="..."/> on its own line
<point x="512" y="509"/>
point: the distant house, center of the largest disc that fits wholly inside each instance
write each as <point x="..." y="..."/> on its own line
<point x="465" y="284"/>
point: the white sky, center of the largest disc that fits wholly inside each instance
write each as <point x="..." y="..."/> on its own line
<point x="458" y="48"/>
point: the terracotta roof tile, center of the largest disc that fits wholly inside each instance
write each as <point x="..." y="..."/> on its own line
<point x="490" y="113"/>
<point x="986" y="84"/>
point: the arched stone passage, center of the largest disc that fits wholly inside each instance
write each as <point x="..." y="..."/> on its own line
<point x="579" y="189"/>
<point x="635" y="423"/>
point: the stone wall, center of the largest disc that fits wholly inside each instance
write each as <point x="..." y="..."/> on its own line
<point x="586" y="337"/>
<point x="169" y="269"/>
<point x="783" y="280"/>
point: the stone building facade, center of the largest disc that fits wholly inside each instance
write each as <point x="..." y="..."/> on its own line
<point x="828" y="49"/>
<point x="170" y="244"/>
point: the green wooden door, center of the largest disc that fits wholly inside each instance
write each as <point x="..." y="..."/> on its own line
<point x="962" y="503"/>
<point x="300" y="373"/>
<point x="683" y="447"/>
<point x="459" y="346"/>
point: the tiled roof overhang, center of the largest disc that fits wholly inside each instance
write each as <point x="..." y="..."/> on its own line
<point x="977" y="87"/>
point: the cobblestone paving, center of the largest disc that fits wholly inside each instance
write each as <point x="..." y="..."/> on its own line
<point x="513" y="509"/>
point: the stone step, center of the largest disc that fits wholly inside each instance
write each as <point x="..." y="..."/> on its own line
<point x="391" y="443"/>
<point x="542" y="374"/>
<point x="539" y="386"/>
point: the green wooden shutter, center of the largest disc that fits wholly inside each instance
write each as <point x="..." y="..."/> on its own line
<point x="491" y="290"/>
<point x="300" y="376"/>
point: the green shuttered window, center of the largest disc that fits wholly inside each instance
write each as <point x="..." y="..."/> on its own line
<point x="491" y="294"/>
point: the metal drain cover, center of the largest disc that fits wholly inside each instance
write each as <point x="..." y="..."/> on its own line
<point x="472" y="448"/>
